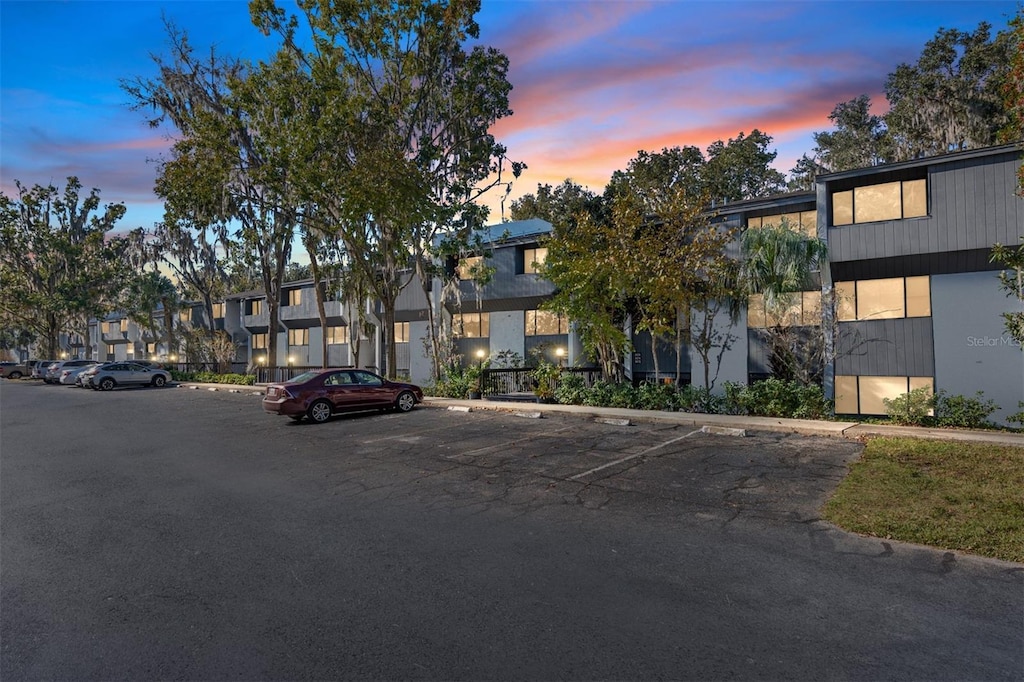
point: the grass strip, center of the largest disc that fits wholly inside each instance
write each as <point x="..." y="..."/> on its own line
<point x="959" y="496"/>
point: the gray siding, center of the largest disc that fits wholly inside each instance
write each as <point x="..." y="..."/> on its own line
<point x="758" y="361"/>
<point x="505" y="283"/>
<point x="971" y="205"/>
<point x="901" y="347"/>
<point x="973" y="352"/>
<point x="666" y="356"/>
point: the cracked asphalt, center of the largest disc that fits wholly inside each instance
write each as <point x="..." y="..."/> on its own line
<point x="180" y="534"/>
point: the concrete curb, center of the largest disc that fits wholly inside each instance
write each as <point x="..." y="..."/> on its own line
<point x="723" y="423"/>
<point x="715" y="423"/>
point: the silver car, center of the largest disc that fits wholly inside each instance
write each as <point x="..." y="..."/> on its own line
<point x="39" y="369"/>
<point x="113" y="374"/>
<point x="69" y="374"/>
<point x="53" y="372"/>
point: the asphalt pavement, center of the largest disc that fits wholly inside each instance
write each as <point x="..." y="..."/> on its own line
<point x="184" y="534"/>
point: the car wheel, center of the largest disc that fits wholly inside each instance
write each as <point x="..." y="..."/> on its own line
<point x="14" y="375"/>
<point x="319" y="412"/>
<point x="405" y="401"/>
<point x="107" y="384"/>
<point x="159" y="380"/>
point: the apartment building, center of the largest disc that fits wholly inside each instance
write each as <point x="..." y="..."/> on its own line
<point x="917" y="299"/>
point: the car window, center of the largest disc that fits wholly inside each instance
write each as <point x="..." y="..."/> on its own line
<point x="366" y="379"/>
<point x="338" y="379"/>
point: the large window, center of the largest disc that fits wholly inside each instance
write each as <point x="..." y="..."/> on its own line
<point x="256" y="306"/>
<point x="298" y="337"/>
<point x="533" y="258"/>
<point x="401" y="332"/>
<point x="469" y="266"/>
<point x="295" y="297"/>
<point x="886" y="201"/>
<point x="805" y="222"/>
<point x="545" y="323"/>
<point x="150" y="349"/>
<point x="337" y="335"/>
<point x="185" y="315"/>
<point x="880" y="299"/>
<point x="218" y="311"/>
<point x="260" y="341"/>
<point x="867" y="394"/>
<point x="471" y="325"/>
<point x="800" y="308"/>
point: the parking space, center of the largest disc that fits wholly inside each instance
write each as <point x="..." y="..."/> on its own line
<point x="141" y="524"/>
<point x="489" y="458"/>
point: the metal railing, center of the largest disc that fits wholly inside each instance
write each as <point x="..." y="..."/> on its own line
<point x="510" y="381"/>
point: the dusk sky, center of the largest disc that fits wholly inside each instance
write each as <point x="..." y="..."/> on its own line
<point x="594" y="82"/>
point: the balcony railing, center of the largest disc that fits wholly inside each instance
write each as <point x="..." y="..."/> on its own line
<point x="520" y="379"/>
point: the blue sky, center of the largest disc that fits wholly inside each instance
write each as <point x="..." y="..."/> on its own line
<point x="593" y="82"/>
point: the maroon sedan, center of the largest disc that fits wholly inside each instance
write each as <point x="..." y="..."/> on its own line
<point x="325" y="392"/>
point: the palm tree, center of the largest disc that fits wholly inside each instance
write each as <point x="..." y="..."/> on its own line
<point x="146" y="294"/>
<point x="779" y="262"/>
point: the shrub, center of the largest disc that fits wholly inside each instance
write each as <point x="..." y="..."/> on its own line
<point x="658" y="396"/>
<point x="1017" y="417"/>
<point x="699" y="399"/>
<point x="214" y="378"/>
<point x="781" y="398"/>
<point x="910" y="409"/>
<point x="571" y="390"/>
<point x="963" y="412"/>
<point x="457" y="383"/>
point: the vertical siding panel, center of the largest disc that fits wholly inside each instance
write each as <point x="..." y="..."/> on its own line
<point x="968" y="230"/>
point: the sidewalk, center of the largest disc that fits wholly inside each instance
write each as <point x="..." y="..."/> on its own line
<point x="836" y="429"/>
<point x="810" y="427"/>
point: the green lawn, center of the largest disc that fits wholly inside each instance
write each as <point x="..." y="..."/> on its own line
<point x="952" y="495"/>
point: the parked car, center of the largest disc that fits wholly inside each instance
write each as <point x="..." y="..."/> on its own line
<point x="109" y="376"/>
<point x="53" y="372"/>
<point x="69" y="373"/>
<point x="322" y="393"/>
<point x="83" y="377"/>
<point x="40" y="367"/>
<point x="13" y="370"/>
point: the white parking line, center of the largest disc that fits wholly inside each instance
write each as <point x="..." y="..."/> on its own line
<point x="639" y="454"/>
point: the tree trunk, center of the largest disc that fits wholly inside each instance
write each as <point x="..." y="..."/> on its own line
<point x="314" y="265"/>
<point x="168" y="326"/>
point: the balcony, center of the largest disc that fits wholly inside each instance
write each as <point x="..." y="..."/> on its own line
<point x="306" y="315"/>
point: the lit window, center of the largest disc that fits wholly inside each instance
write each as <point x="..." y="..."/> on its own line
<point x="471" y="325"/>
<point x="469" y="266"/>
<point x="337" y="335"/>
<point x="259" y="341"/>
<point x="867" y="394"/>
<point x="877" y="202"/>
<point x="298" y="337"/>
<point x="401" y="332"/>
<point x="884" y="201"/>
<point x="124" y="326"/>
<point x="545" y="323"/>
<point x="793" y="310"/>
<point x="919" y="300"/>
<point x="256" y="307"/>
<point x="881" y="299"/>
<point x="150" y="349"/>
<point x="218" y="311"/>
<point x="805" y="222"/>
<point x="295" y="297"/>
<point x="532" y="258"/>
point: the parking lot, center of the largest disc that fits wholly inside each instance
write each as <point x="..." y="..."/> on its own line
<point x="177" y="533"/>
